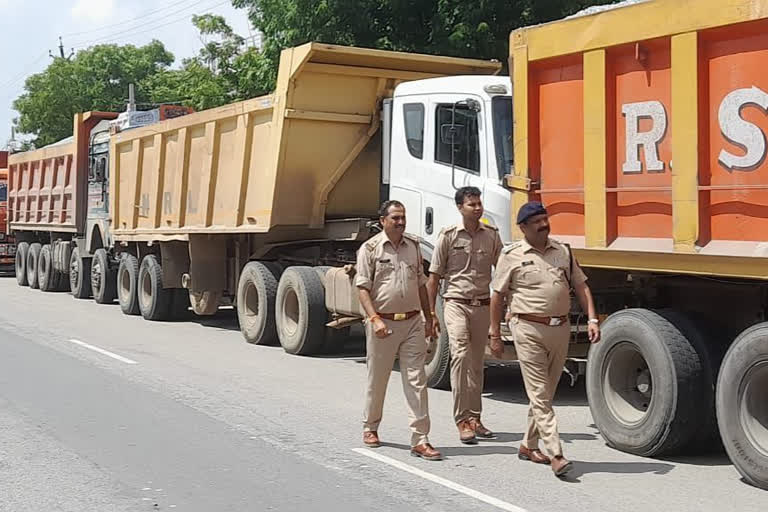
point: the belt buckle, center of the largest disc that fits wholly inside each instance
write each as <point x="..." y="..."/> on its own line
<point x="474" y="302"/>
<point x="399" y="317"/>
<point x="555" y="321"/>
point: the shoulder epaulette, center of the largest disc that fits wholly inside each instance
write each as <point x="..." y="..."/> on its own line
<point x="412" y="238"/>
<point x="509" y="248"/>
<point x="491" y="226"/>
<point x="448" y="229"/>
<point x="370" y="245"/>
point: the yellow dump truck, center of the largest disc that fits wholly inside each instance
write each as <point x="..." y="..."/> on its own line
<point x="250" y="204"/>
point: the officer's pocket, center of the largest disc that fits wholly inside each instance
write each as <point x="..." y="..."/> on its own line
<point x="531" y="276"/>
<point x="458" y="256"/>
<point x="385" y="272"/>
<point x="557" y="273"/>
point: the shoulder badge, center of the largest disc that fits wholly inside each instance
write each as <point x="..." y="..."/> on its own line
<point x="372" y="242"/>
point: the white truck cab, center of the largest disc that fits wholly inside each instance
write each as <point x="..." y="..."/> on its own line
<point x="443" y="134"/>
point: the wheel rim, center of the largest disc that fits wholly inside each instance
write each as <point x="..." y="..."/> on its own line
<point x="753" y="406"/>
<point x="291" y="311"/>
<point x="74" y="273"/>
<point x="251" y="301"/>
<point x="125" y="284"/>
<point x="146" y="290"/>
<point x="96" y="276"/>
<point x="627" y="383"/>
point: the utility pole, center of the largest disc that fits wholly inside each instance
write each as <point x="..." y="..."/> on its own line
<point x="61" y="51"/>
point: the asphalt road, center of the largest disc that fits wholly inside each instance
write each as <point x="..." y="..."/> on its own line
<point x="103" y="412"/>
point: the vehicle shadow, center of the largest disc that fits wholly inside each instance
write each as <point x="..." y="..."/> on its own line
<point x="505" y="383"/>
<point x="455" y="451"/>
<point x="581" y="468"/>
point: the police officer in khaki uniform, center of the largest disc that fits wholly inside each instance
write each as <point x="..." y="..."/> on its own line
<point x="463" y="257"/>
<point x="537" y="274"/>
<point x="391" y="282"/>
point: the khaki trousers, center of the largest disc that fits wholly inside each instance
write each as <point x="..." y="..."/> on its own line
<point x="542" y="351"/>
<point x="409" y="344"/>
<point x="467" y="329"/>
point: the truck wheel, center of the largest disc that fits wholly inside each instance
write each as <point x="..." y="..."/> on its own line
<point x="438" y="363"/>
<point x="646" y="384"/>
<point x="21" y="263"/>
<point x="742" y="405"/>
<point x="47" y="278"/>
<point x="103" y="281"/>
<point x="79" y="275"/>
<point x="127" y="284"/>
<point x="33" y="257"/>
<point x="301" y="314"/>
<point x="154" y="300"/>
<point x="256" y="293"/>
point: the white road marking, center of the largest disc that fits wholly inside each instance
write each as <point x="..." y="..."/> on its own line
<point x="103" y="352"/>
<point x="503" y="505"/>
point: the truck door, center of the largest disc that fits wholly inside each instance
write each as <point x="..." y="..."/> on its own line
<point x="438" y="146"/>
<point x="496" y="197"/>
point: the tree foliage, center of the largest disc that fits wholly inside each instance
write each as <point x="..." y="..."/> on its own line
<point x="95" y="79"/>
<point x="226" y="70"/>
<point x="460" y="28"/>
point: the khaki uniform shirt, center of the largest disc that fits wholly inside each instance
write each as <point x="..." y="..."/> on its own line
<point x="536" y="281"/>
<point x="464" y="260"/>
<point x="391" y="274"/>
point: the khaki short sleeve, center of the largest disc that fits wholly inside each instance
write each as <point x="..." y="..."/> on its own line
<point x="364" y="268"/>
<point x="578" y="276"/>
<point x="498" y="245"/>
<point x="439" y="256"/>
<point x="421" y="276"/>
<point x="503" y="274"/>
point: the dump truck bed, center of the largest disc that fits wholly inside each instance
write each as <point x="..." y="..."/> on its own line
<point x="47" y="188"/>
<point x="642" y="129"/>
<point x="307" y="153"/>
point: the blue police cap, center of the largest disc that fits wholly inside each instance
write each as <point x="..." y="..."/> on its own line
<point x="529" y="210"/>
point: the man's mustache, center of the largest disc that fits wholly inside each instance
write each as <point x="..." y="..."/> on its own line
<point x="543" y="229"/>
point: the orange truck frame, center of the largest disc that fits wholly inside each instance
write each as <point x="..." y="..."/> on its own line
<point x="643" y="130"/>
<point x="7" y="245"/>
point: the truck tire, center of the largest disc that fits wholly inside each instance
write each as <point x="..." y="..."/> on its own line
<point x="301" y="314"/>
<point x="154" y="300"/>
<point x="33" y="257"/>
<point x="646" y="384"/>
<point x="256" y="294"/>
<point x="438" y="363"/>
<point x="22" y="249"/>
<point x="47" y="277"/>
<point x="103" y="280"/>
<point x="79" y="275"/>
<point x="127" y="284"/>
<point x="742" y="404"/>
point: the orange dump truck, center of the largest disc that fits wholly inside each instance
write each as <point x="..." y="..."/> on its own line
<point x="643" y="130"/>
<point x="7" y="247"/>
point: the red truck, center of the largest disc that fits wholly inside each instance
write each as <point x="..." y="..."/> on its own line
<point x="7" y="245"/>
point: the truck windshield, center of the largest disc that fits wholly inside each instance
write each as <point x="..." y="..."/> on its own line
<point x="501" y="107"/>
<point x="3" y="192"/>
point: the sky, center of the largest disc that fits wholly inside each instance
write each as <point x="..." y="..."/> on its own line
<point x="30" y="28"/>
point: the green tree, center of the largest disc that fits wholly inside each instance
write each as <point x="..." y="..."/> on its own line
<point x="95" y="79"/>
<point x="223" y="71"/>
<point x="461" y="28"/>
